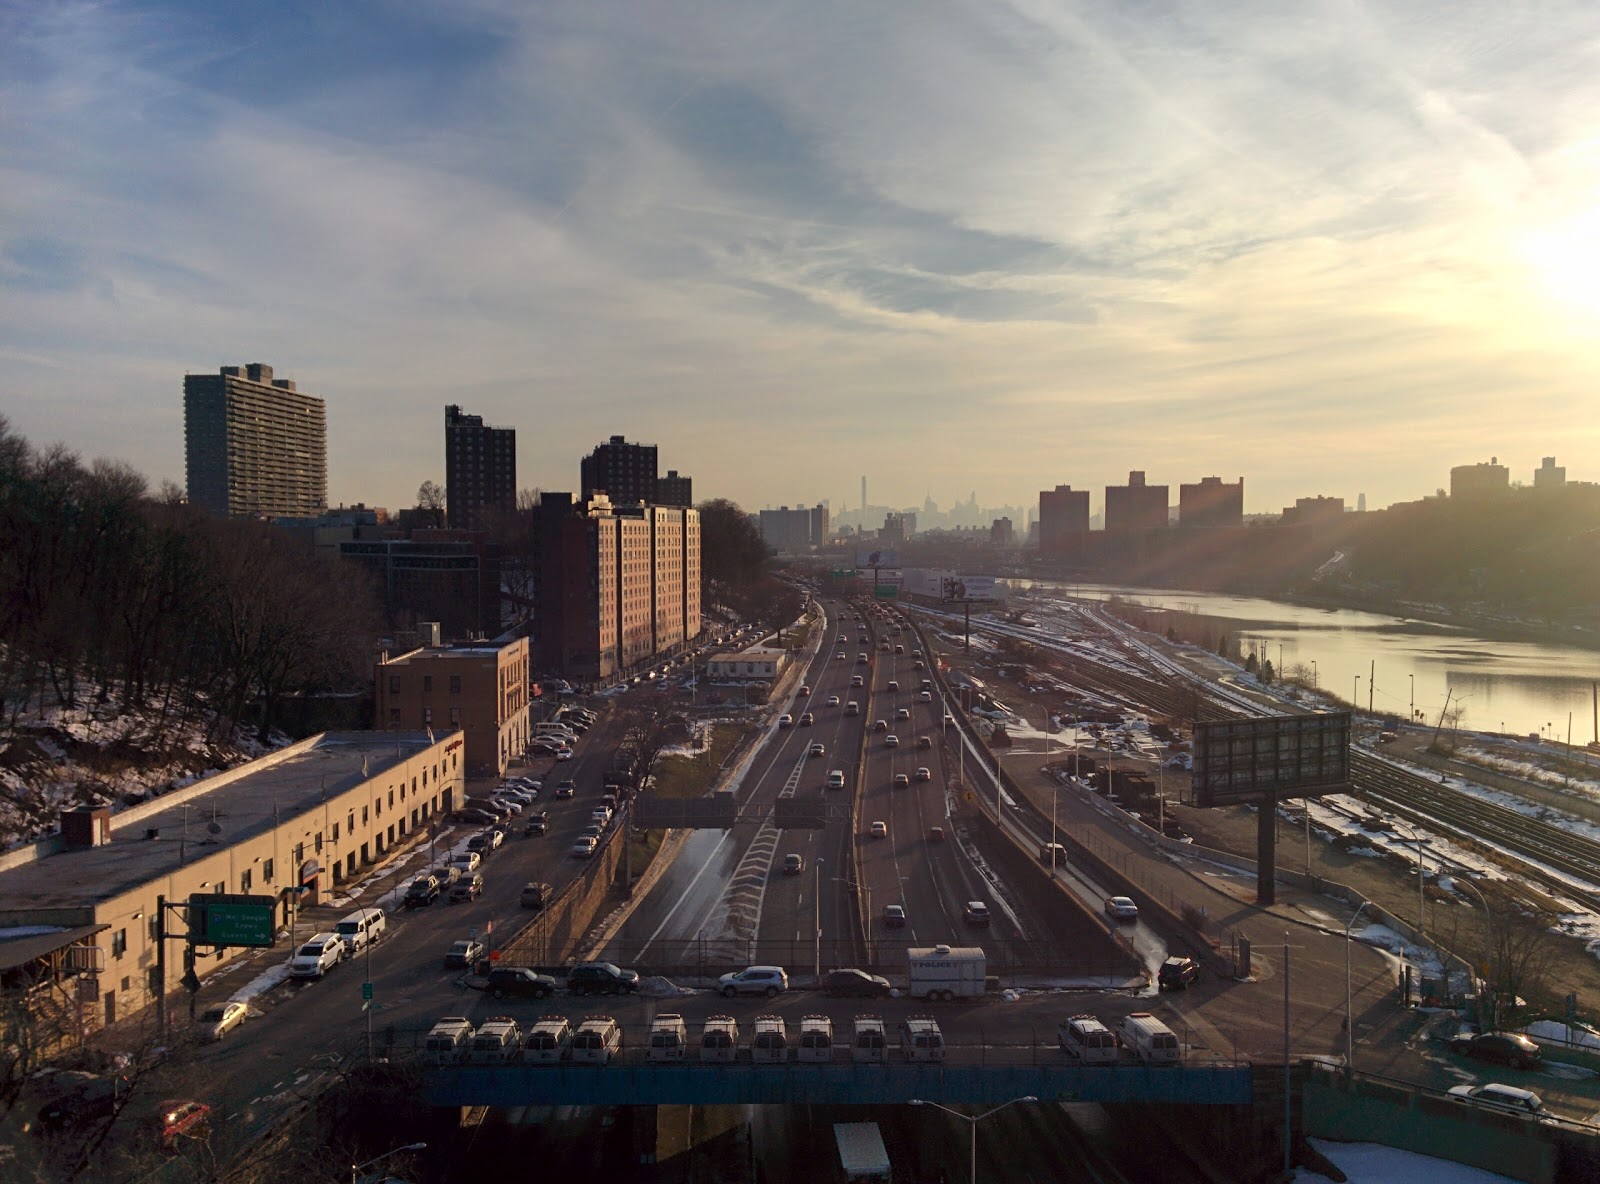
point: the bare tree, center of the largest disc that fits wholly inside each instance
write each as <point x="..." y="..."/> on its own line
<point x="1522" y="954"/>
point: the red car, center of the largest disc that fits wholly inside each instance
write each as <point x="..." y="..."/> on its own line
<point x="178" y="1121"/>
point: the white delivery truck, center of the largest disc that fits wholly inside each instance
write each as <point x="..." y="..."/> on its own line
<point x="946" y="972"/>
<point x="862" y="1154"/>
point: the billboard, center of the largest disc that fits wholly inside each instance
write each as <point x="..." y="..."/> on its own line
<point x="877" y="559"/>
<point x="886" y="577"/>
<point x="1271" y="757"/>
<point x="966" y="588"/>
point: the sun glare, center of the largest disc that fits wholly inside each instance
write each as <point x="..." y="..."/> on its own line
<point x="1566" y="255"/>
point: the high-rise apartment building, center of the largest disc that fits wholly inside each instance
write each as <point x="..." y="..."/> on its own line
<point x="618" y="585"/>
<point x="254" y="444"/>
<point x="625" y="473"/>
<point x="1480" y="480"/>
<point x="1549" y="475"/>
<point x="1063" y="520"/>
<point x="1135" y="506"/>
<point x="792" y="532"/>
<point x="673" y="490"/>
<point x="1211" y="503"/>
<point x="480" y="469"/>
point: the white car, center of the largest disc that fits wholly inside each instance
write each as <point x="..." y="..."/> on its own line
<point x="219" y="1019"/>
<point x="585" y="847"/>
<point x="880" y="830"/>
<point x="1122" y="908"/>
<point x="320" y="954"/>
<point x="509" y="802"/>
<point x="467" y="861"/>
<point x="754" y="980"/>
<point x="833" y="700"/>
<point x="1507" y="1099"/>
<point x="563" y="754"/>
<point x="891" y="741"/>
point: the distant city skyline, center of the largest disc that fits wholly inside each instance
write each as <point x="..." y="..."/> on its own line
<point x="951" y="245"/>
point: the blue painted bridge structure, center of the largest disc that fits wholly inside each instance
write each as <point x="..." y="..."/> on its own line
<point x="694" y="1083"/>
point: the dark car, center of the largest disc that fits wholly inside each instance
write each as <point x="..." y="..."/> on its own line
<point x="538" y="823"/>
<point x="855" y="984"/>
<point x="1177" y="973"/>
<point x="424" y="890"/>
<point x="97" y="1098"/>
<point x="473" y="814"/>
<point x="1505" y="1048"/>
<point x="519" y="982"/>
<point x="601" y="978"/>
<point x="535" y="895"/>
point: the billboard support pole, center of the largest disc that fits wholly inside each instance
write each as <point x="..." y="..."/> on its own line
<point x="1266" y="853"/>
<point x="966" y="629"/>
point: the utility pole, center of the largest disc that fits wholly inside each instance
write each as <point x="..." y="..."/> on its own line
<point x="1372" y="677"/>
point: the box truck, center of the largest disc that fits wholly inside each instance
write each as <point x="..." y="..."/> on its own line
<point x="946" y="972"/>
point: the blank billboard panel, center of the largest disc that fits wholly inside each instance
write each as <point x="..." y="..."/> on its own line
<point x="717" y="812"/>
<point x="1254" y="760"/>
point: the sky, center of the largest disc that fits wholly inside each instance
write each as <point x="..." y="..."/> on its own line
<point x="951" y="245"/>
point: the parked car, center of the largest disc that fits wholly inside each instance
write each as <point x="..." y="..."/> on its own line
<point x="754" y="980"/>
<point x="219" y="1019"/>
<point x="473" y="814"/>
<point x="467" y="861"/>
<point x="855" y="984"/>
<point x="447" y="874"/>
<point x="585" y="846"/>
<point x="469" y="887"/>
<point x="1122" y="908"/>
<point x="535" y="895"/>
<point x="423" y="891"/>
<point x="507" y="802"/>
<point x="1176" y="973"/>
<point x="601" y="978"/>
<point x="543" y="748"/>
<point x="1507" y="1099"/>
<point x="894" y="915"/>
<point x="975" y="912"/>
<point x="465" y="952"/>
<point x="519" y="982"/>
<point x="1506" y="1048"/>
<point x="563" y="753"/>
<point x="317" y="955"/>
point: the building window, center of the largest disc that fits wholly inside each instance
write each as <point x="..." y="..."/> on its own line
<point x="316" y="843"/>
<point x="394" y="716"/>
<point x="119" y="943"/>
<point x="455" y="717"/>
<point x="394" y="684"/>
<point x="335" y="832"/>
<point x="391" y="799"/>
<point x="363" y="816"/>
<point x="154" y="925"/>
<point x="299" y="854"/>
<point x="427" y="716"/>
<point x="427" y="683"/>
<point x="267" y="865"/>
<point x="455" y="684"/>
<point x="245" y="876"/>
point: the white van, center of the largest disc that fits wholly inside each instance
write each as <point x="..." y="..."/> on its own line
<point x="560" y="730"/>
<point x="1086" y="1039"/>
<point x="870" y="1043"/>
<point x="496" y="1042"/>
<point x="770" y="1045"/>
<point x="360" y="929"/>
<point x="816" y="1039"/>
<point x="1149" y="1039"/>
<point x="597" y="1040"/>
<point x="921" y="1039"/>
<point x="548" y="1041"/>
<point x="447" y="1040"/>
<point x="719" y="1039"/>
<point x="669" y="1038"/>
<point x="836" y="779"/>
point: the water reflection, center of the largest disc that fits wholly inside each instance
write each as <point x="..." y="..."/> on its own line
<point x="1399" y="665"/>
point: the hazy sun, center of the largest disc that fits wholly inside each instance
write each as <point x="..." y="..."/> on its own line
<point x="1566" y="256"/>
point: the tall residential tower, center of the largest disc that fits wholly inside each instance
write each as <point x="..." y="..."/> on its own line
<point x="254" y="445"/>
<point x="480" y="468"/>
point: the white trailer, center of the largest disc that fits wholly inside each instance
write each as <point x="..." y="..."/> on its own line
<point x="946" y="972"/>
<point x="861" y="1152"/>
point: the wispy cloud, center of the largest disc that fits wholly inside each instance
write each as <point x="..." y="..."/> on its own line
<point x="954" y="244"/>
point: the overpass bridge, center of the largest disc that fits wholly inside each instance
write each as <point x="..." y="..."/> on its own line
<point x="634" y="1083"/>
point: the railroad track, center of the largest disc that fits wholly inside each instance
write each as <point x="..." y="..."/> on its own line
<point x="1553" y="855"/>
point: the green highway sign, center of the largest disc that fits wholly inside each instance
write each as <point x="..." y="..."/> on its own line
<point x="366" y="990"/>
<point x="220" y="919"/>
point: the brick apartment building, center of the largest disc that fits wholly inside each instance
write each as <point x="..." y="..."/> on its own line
<point x="479" y="689"/>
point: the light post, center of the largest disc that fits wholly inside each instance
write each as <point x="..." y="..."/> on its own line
<point x="816" y="893"/>
<point x="356" y="1167"/>
<point x="1349" y="1012"/>
<point x="1355" y="693"/>
<point x="1413" y="718"/>
<point x="1485" y="1010"/>
<point x="1313" y="674"/>
<point x="1422" y="923"/>
<point x="972" y="1121"/>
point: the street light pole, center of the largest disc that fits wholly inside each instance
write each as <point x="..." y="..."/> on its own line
<point x="972" y="1121"/>
<point x="1422" y="921"/>
<point x="1413" y="718"/>
<point x="356" y="1167"/>
<point x="1349" y="1012"/>
<point x="1355" y="692"/>
<point x="1486" y="1011"/>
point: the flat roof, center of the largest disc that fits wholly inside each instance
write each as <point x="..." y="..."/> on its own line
<point x="250" y="804"/>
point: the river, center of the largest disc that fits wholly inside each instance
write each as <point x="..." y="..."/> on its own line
<point x="1524" y="688"/>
